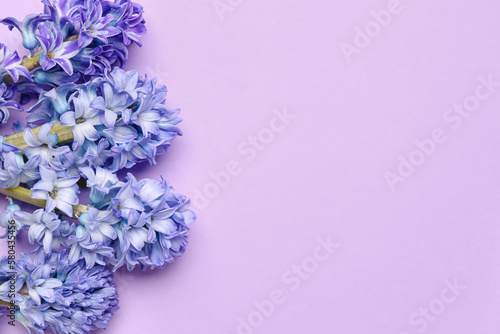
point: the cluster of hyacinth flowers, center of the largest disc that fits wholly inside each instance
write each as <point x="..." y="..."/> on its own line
<point x="90" y="120"/>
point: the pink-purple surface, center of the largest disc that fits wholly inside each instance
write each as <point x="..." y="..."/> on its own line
<point x="418" y="253"/>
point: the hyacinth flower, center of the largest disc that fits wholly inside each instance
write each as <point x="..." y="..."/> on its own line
<point x="52" y="294"/>
<point x="95" y="25"/>
<point x="11" y="65"/>
<point x="113" y="122"/>
<point x="126" y="223"/>
<point x="56" y="51"/>
<point x="7" y="95"/>
<point x="97" y="119"/>
<point x="89" y="37"/>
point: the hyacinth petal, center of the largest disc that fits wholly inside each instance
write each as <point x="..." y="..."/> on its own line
<point x="132" y="203"/>
<point x="65" y="65"/>
<point x="79" y="137"/>
<point x="35" y="296"/>
<point x="109" y="118"/>
<point x="137" y="238"/>
<point x="121" y="134"/>
<point x="98" y="103"/>
<point x="189" y="217"/>
<point x="47" y="242"/>
<point x="35" y="232"/>
<point x="164" y="226"/>
<point x="44" y="186"/>
<point x="52" y="283"/>
<point x="68" y="118"/>
<point x="84" y="40"/>
<point x="108" y="231"/>
<point x="65" y="207"/>
<point x="68" y="50"/>
<point x="52" y="204"/>
<point x="46" y="293"/>
<point x="66" y="182"/>
<point x="47" y="174"/>
<point x="74" y="254"/>
<point x="30" y="138"/>
<point x="89" y="132"/>
<point x="43" y="134"/>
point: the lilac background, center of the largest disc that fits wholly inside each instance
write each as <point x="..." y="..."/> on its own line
<point x="323" y="174"/>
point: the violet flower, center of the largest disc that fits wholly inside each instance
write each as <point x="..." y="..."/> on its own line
<point x="43" y="145"/>
<point x="7" y="102"/>
<point x="55" y="51"/>
<point x="10" y="64"/>
<point x="59" y="192"/>
<point x="63" y="297"/>
<point x="42" y="226"/>
<point x="83" y="120"/>
<point x="15" y="171"/>
<point x="95" y="25"/>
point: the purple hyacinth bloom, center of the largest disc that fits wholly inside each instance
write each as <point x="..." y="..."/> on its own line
<point x="147" y="116"/>
<point x="111" y="104"/>
<point x="99" y="178"/>
<point x="10" y="64"/>
<point x="99" y="225"/>
<point x="42" y="226"/>
<point x="7" y="102"/>
<point x="130" y="21"/>
<point x="134" y="130"/>
<point x="59" y="192"/>
<point x="95" y="25"/>
<point x="154" y="223"/>
<point x="55" y="51"/>
<point x="83" y="120"/>
<point x="125" y="82"/>
<point x="126" y="202"/>
<point x="84" y="248"/>
<point x="15" y="171"/>
<point x="63" y="297"/>
<point x="43" y="145"/>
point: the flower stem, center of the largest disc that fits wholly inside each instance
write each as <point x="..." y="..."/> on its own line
<point x="64" y="135"/>
<point x="24" y="195"/>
